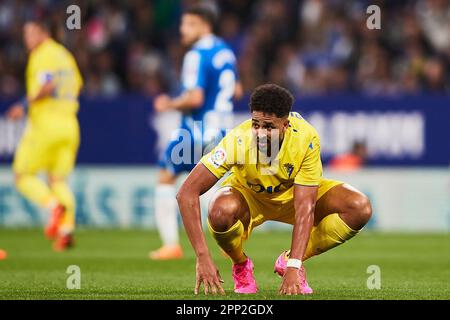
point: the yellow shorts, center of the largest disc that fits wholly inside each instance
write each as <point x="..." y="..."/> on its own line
<point x="261" y="211"/>
<point x="52" y="150"/>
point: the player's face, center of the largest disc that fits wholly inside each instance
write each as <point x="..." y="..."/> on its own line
<point x="192" y="28"/>
<point x="267" y="126"/>
<point x="32" y="35"/>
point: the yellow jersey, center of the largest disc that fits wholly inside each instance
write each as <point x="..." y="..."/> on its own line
<point x="297" y="161"/>
<point x="51" y="61"/>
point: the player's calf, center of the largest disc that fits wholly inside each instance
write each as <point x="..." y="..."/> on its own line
<point x="226" y="214"/>
<point x="352" y="206"/>
<point x="227" y="218"/>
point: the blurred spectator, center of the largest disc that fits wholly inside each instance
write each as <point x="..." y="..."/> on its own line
<point x="434" y="75"/>
<point x="310" y="46"/>
<point x="351" y="161"/>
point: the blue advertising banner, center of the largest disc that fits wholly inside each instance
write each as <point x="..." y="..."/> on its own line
<point x="406" y="131"/>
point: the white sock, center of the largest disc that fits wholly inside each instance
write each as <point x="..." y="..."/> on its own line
<point x="166" y="214"/>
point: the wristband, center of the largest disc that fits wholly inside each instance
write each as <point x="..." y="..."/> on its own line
<point x="294" y="263"/>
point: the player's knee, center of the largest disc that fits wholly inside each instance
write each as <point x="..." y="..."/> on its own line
<point x="360" y="205"/>
<point x="222" y="214"/>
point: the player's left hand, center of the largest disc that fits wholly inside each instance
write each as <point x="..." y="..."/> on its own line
<point x="291" y="282"/>
<point x="162" y="103"/>
<point x="16" y="112"/>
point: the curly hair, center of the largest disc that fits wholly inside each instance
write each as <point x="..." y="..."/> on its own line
<point x="271" y="98"/>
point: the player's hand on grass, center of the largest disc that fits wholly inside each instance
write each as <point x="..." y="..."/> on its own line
<point x="291" y="282"/>
<point x="15" y="112"/>
<point x="162" y="103"/>
<point x="208" y="275"/>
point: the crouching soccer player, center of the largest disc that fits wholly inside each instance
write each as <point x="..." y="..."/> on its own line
<point x="51" y="138"/>
<point x="275" y="174"/>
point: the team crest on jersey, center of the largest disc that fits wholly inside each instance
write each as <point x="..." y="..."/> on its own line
<point x="218" y="157"/>
<point x="289" y="167"/>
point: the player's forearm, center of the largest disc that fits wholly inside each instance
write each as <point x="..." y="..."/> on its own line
<point x="304" y="220"/>
<point x="189" y="205"/>
<point x="187" y="101"/>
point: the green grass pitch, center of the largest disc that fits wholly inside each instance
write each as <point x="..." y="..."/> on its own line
<point x="114" y="265"/>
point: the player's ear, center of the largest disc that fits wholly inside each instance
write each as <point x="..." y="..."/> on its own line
<point x="285" y="124"/>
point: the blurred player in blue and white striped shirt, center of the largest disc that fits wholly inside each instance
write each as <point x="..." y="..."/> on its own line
<point x="209" y="80"/>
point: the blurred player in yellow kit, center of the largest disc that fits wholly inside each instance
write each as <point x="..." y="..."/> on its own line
<point x="51" y="138"/>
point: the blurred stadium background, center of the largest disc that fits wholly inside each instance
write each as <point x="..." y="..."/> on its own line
<point x="386" y="91"/>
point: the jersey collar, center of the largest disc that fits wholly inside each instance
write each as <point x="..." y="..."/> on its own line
<point x="206" y="41"/>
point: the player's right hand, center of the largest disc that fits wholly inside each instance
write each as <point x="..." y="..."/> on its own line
<point x="291" y="282"/>
<point x="209" y="276"/>
<point x="15" y="112"/>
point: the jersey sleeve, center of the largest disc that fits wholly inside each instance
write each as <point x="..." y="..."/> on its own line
<point x="222" y="158"/>
<point x="39" y="71"/>
<point x="311" y="168"/>
<point x="193" y="71"/>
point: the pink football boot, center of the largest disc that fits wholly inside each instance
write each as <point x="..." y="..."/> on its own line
<point x="244" y="280"/>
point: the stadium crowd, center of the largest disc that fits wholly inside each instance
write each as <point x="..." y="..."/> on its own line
<point x="310" y="46"/>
